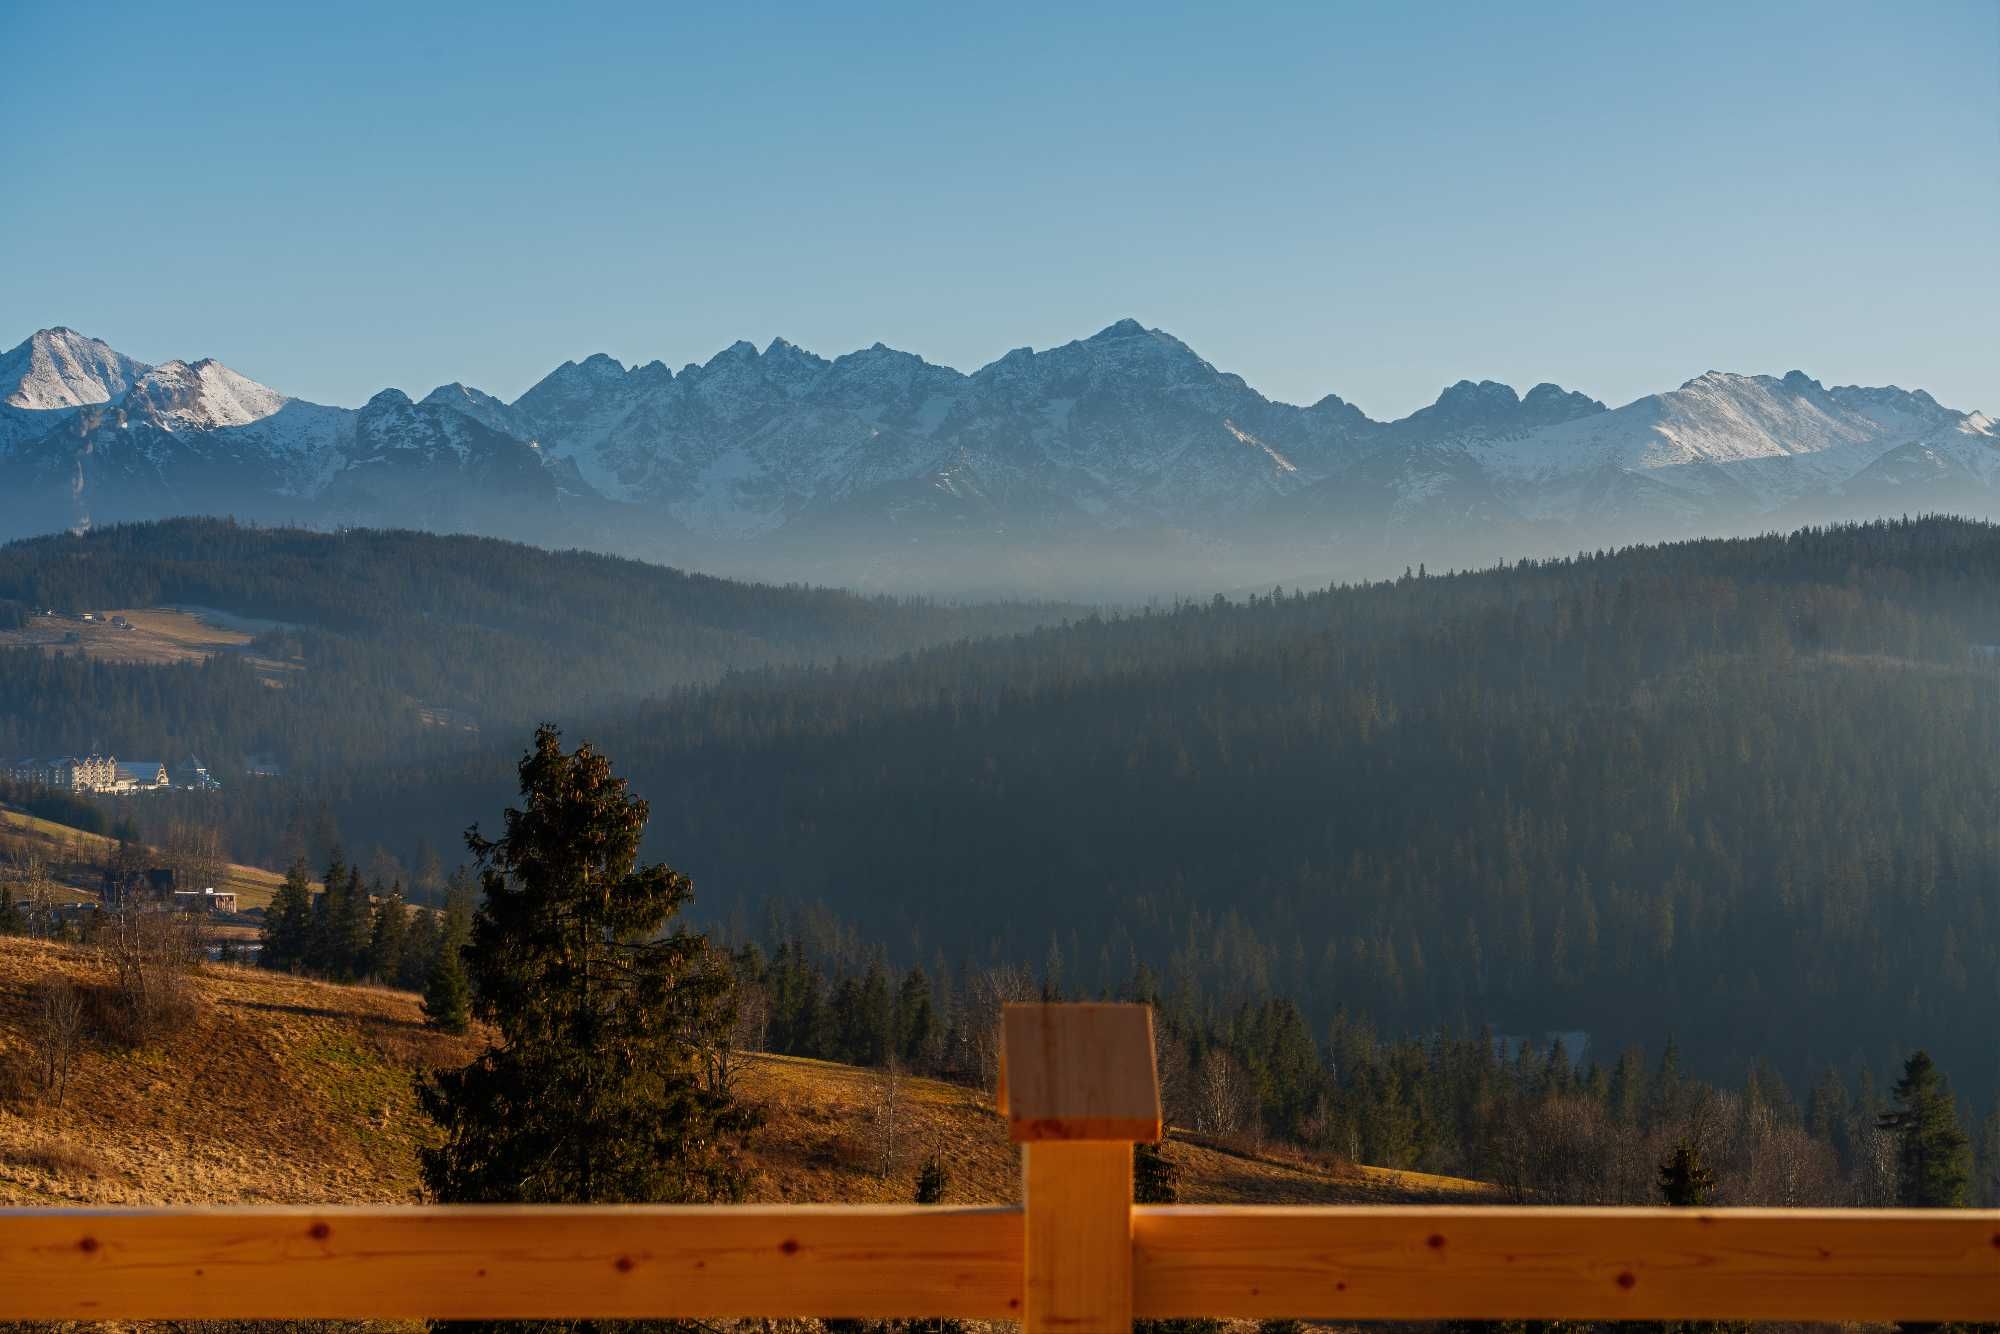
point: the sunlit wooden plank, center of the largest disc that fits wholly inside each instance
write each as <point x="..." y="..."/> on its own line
<point x="489" y="1263"/>
<point x="1445" y="1262"/>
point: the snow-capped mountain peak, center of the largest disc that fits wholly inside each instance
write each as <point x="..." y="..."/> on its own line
<point x="1113" y="437"/>
<point x="200" y="396"/>
<point x="61" y="368"/>
<point x="482" y="407"/>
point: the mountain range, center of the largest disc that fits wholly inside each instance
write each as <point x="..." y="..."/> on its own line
<point x="1122" y="460"/>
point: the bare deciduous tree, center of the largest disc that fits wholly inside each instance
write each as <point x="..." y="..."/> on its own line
<point x="194" y="853"/>
<point x="58" y="1034"/>
<point x="888" y="1107"/>
<point x="987" y="991"/>
<point x="1224" y="1098"/>
<point x="151" y="954"/>
<point x="34" y="886"/>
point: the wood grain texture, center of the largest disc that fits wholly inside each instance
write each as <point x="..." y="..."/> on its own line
<point x="1079" y="1072"/>
<point x="1078" y="1201"/>
<point x="526" y="1261"/>
<point x="1454" y="1262"/>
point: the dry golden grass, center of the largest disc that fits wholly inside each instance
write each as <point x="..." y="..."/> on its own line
<point x="288" y="1090"/>
<point x="821" y="1142"/>
<point x="158" y="637"/>
<point x="279" y="1090"/>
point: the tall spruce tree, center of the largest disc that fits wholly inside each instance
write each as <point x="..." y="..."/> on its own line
<point x="593" y="1091"/>
<point x="322" y="952"/>
<point x="1931" y="1149"/>
<point x="447" y="991"/>
<point x="288" y="921"/>
<point x="390" y="929"/>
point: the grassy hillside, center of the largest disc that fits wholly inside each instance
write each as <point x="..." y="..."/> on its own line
<point x="286" y="1090"/>
<point x="76" y="859"/>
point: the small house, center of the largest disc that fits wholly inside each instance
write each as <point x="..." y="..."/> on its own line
<point x="208" y="901"/>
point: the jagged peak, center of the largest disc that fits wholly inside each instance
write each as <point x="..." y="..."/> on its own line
<point x="740" y="350"/>
<point x="1125" y="328"/>
<point x="1478" y="392"/>
<point x="1718" y="379"/>
<point x="458" y="392"/>
<point x="58" y="367"/>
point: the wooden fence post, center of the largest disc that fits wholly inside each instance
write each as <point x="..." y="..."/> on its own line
<point x="1078" y="1087"/>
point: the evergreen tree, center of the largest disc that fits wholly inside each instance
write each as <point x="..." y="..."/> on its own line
<point x="351" y="925"/>
<point x="288" y="921"/>
<point x="448" y="992"/>
<point x="916" y="1019"/>
<point x="1685" y="1181"/>
<point x="421" y="942"/>
<point x="323" y="953"/>
<point x="13" y="922"/>
<point x="1931" y="1148"/>
<point x="386" y="937"/>
<point x="593" y="1092"/>
<point x="933" y="1180"/>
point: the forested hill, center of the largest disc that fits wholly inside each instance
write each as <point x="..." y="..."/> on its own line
<point x="1742" y="793"/>
<point x="391" y="642"/>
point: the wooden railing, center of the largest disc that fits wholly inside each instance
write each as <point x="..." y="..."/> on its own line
<point x="1078" y="1089"/>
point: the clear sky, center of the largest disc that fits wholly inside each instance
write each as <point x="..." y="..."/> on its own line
<point x="1371" y="200"/>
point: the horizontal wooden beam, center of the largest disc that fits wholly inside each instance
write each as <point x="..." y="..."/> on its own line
<point x="509" y="1261"/>
<point x="1407" y="1263"/>
<point x="1450" y="1262"/>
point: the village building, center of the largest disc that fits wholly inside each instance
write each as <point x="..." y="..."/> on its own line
<point x="93" y="773"/>
<point x="107" y="774"/>
<point x="139" y="776"/>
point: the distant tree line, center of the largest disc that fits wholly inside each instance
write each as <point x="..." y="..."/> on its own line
<point x="1541" y="1121"/>
<point x="352" y="932"/>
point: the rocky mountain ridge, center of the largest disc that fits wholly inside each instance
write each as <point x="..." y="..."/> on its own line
<point x="877" y="464"/>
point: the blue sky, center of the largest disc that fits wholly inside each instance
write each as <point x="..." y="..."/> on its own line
<point x="1368" y="200"/>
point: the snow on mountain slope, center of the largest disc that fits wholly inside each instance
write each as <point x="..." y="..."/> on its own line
<point x="483" y="408"/>
<point x="61" y="368"/>
<point x="1116" y="436"/>
<point x="202" y="396"/>
<point x="1730" y="443"/>
<point x="53" y="374"/>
